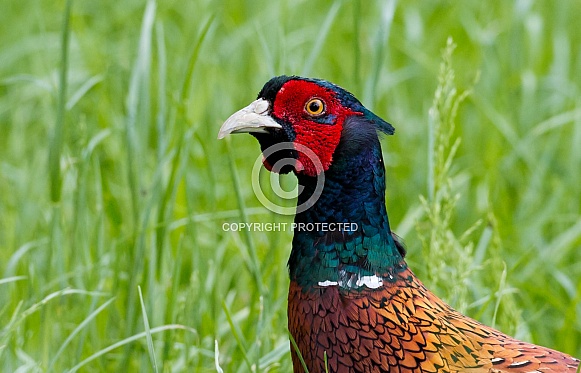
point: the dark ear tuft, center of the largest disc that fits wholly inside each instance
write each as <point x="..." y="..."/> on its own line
<point x="271" y="88"/>
<point x="379" y="123"/>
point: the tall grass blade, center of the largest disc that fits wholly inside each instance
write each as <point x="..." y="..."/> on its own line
<point x="217" y="357"/>
<point x="298" y="352"/>
<point x="386" y="21"/>
<point x="56" y="143"/>
<point x="238" y="337"/>
<point x="321" y="36"/>
<point x="150" y="347"/>
<point x="8" y="280"/>
<point x="76" y="331"/>
<point x="127" y="341"/>
<point x="253" y="265"/>
<point x="136" y="138"/>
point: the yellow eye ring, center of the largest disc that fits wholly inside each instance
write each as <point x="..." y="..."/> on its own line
<point x="315" y="107"/>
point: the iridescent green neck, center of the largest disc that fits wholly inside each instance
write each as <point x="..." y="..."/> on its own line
<point x="362" y="244"/>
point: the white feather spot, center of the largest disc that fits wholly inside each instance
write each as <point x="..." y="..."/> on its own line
<point x="517" y="364"/>
<point x="372" y="282"/>
<point x="328" y="283"/>
<point x="354" y="281"/>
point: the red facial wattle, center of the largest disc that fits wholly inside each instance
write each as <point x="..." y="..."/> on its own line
<point x="319" y="133"/>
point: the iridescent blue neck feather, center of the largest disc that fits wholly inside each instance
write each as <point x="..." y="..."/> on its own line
<point x="354" y="193"/>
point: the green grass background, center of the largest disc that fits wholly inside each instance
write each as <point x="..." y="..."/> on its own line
<point x="112" y="181"/>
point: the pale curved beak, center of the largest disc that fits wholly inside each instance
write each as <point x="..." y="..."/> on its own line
<point x="253" y="118"/>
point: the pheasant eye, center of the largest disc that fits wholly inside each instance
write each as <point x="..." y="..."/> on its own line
<point x="315" y="107"/>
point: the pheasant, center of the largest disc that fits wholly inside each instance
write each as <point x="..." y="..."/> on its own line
<point x="353" y="303"/>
